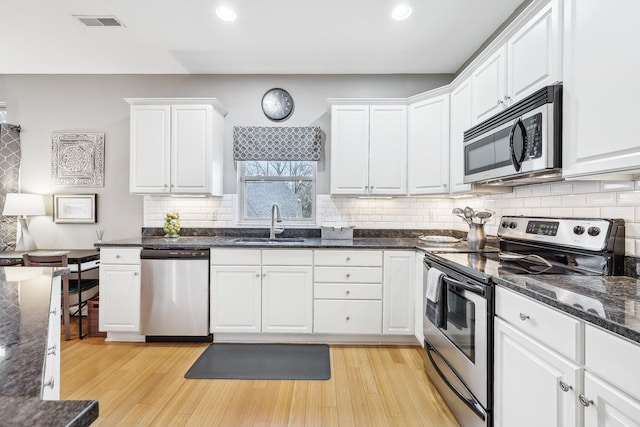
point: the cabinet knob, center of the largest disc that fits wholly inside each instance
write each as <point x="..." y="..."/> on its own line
<point x="348" y="318"/>
<point x="500" y="101"/>
<point x="564" y="386"/>
<point x="507" y="98"/>
<point x="51" y="351"/>
<point x="348" y="292"/>
<point x="584" y="401"/>
<point x="348" y="258"/>
<point x="348" y="275"/>
<point x="50" y="383"/>
<point x="117" y="256"/>
<point x="54" y="312"/>
<point x="135" y="273"/>
<point x="524" y="317"/>
<point x="257" y="275"/>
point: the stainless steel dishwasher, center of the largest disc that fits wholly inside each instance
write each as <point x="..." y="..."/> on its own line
<point x="175" y="295"/>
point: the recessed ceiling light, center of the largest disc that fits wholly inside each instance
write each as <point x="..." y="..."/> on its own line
<point x="226" y="13"/>
<point x="401" y="12"/>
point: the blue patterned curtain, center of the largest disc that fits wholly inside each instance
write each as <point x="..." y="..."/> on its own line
<point x="9" y="175"/>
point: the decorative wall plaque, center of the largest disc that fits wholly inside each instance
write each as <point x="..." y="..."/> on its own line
<point x="77" y="159"/>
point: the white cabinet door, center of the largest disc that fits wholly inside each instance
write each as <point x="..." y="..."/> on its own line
<point x="609" y="407"/>
<point x="534" y="54"/>
<point x="398" y="293"/>
<point x="601" y="87"/>
<point x="387" y="150"/>
<point x="287" y="299"/>
<point x="460" y="121"/>
<point x="236" y="299"/>
<point x="192" y="138"/>
<point x="119" y="298"/>
<point x="349" y="149"/>
<point x="150" y="149"/>
<point x="489" y="88"/>
<point x="529" y="380"/>
<point x="428" y="159"/>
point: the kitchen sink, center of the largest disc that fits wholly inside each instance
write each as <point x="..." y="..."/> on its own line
<point x="266" y="240"/>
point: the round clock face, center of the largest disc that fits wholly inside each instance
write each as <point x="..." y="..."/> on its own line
<point x="277" y="104"/>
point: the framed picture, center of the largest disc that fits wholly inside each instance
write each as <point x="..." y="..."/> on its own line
<point x="74" y="208"/>
<point x="77" y="159"/>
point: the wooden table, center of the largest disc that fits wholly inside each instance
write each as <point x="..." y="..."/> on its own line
<point x="81" y="261"/>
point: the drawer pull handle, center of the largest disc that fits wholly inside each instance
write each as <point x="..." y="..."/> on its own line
<point x="51" y="351"/>
<point x="564" y="386"/>
<point x="524" y="317"/>
<point x="54" y="312"/>
<point x="584" y="401"/>
<point x="50" y="383"/>
<point x="348" y="292"/>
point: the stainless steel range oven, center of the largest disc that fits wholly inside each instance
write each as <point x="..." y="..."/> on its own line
<point x="458" y="311"/>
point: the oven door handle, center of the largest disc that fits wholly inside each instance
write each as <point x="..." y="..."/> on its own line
<point x="471" y="401"/>
<point x="476" y="289"/>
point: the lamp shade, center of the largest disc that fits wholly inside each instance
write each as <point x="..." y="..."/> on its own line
<point x="23" y="204"/>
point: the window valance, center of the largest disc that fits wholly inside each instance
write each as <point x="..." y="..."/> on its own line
<point x="276" y="143"/>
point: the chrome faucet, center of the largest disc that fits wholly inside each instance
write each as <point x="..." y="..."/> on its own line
<point x="275" y="218"/>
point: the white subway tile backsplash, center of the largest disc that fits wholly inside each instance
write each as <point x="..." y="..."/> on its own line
<point x="586" y="186"/>
<point x="629" y="198"/>
<point x="611" y="199"/>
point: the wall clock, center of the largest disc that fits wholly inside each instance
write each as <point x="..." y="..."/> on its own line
<point x="277" y="104"/>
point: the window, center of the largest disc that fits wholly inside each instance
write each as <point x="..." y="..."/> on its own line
<point x="290" y="184"/>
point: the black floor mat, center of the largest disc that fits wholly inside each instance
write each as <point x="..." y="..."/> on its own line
<point x="263" y="362"/>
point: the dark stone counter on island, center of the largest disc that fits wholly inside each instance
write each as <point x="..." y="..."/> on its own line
<point x="24" y="321"/>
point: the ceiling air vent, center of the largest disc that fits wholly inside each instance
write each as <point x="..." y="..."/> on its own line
<point x="99" y="21"/>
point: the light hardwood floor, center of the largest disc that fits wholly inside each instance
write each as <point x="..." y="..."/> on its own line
<point x="140" y="384"/>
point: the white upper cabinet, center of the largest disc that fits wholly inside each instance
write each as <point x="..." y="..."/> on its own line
<point x="176" y="146"/>
<point x="534" y="54"/>
<point x="428" y="160"/>
<point x="460" y="121"/>
<point x="368" y="149"/>
<point x="529" y="60"/>
<point x="488" y="93"/>
<point x="601" y="88"/>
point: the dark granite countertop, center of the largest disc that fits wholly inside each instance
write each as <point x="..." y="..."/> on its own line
<point x="24" y="320"/>
<point x="611" y="302"/>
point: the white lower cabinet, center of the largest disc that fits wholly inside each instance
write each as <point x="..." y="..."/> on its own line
<point x="236" y="298"/>
<point x="347" y="292"/>
<point x="536" y="384"/>
<point x="608" y="405"/>
<point x="530" y="382"/>
<point x="612" y="388"/>
<point x="274" y="294"/>
<point x="51" y="376"/>
<point x="287" y="298"/>
<point x="398" y="293"/>
<point x="120" y="288"/>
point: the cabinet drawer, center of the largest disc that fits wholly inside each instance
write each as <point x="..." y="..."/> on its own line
<point x="348" y="274"/>
<point x="347" y="258"/>
<point x="550" y="327"/>
<point x="371" y="291"/>
<point x="612" y="358"/>
<point x="235" y="256"/>
<point x="347" y="317"/>
<point x="120" y="255"/>
<point x="287" y="257"/>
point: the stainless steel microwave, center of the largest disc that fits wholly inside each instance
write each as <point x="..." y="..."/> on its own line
<point x="522" y="144"/>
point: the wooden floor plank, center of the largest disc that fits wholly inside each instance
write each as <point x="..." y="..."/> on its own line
<point x="143" y="384"/>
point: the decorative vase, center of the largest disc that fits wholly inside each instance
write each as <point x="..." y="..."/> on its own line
<point x="476" y="237"/>
<point x="172" y="224"/>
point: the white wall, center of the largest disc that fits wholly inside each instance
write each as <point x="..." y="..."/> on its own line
<point x="44" y="104"/>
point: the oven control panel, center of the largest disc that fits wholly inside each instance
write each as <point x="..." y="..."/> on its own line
<point x="583" y="233"/>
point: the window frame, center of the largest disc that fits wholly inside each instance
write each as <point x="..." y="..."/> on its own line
<point x="243" y="179"/>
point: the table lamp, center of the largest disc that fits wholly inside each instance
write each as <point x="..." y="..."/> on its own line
<point x="23" y="205"/>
